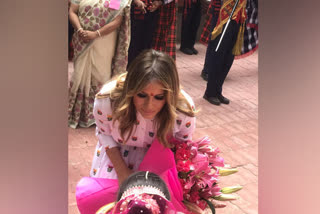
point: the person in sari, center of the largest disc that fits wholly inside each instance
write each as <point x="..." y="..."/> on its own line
<point x="100" y="42"/>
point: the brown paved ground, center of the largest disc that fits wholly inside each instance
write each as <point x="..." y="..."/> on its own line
<point x="233" y="128"/>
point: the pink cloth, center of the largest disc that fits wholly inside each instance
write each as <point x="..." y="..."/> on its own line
<point x="160" y="160"/>
<point x="93" y="193"/>
<point x="114" y="4"/>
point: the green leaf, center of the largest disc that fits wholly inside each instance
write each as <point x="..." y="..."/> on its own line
<point x="213" y="210"/>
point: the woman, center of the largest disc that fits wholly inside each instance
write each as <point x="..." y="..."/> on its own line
<point x="146" y="103"/>
<point x="142" y="109"/>
<point x="100" y="42"/>
<point x="138" y="118"/>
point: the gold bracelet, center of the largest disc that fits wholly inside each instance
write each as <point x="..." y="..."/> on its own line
<point x="99" y="33"/>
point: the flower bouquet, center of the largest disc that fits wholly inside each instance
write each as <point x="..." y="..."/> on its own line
<point x="199" y="167"/>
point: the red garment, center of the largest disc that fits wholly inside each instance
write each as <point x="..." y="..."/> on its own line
<point x="215" y="5"/>
<point x="165" y="35"/>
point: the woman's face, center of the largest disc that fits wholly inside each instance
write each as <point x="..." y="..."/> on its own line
<point x="150" y="100"/>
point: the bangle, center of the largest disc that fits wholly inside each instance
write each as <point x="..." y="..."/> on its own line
<point x="99" y="33"/>
<point x="80" y="28"/>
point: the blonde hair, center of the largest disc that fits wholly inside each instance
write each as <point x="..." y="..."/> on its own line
<point x="148" y="66"/>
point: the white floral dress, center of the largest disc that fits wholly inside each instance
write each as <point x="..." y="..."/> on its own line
<point x="139" y="142"/>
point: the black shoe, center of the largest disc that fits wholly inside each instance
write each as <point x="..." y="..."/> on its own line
<point x="212" y="100"/>
<point x="223" y="99"/>
<point x="194" y="51"/>
<point x="186" y="51"/>
<point x="204" y="75"/>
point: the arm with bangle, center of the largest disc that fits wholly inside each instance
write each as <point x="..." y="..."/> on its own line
<point x="108" y="28"/>
<point x="74" y="19"/>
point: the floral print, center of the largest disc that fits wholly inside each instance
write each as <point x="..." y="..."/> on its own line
<point x="81" y="107"/>
<point x="139" y="142"/>
<point x="102" y="22"/>
<point x="106" y="4"/>
<point x="93" y="18"/>
<point x="87" y="8"/>
<point x="96" y="11"/>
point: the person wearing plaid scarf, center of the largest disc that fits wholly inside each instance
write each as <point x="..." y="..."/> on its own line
<point x="190" y="23"/>
<point x="219" y="63"/>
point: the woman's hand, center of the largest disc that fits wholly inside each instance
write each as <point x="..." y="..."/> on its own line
<point x="140" y="5"/>
<point x="81" y="33"/>
<point x="88" y="36"/>
<point x="155" y="5"/>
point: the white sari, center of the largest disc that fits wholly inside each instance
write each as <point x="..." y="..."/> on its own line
<point x="97" y="61"/>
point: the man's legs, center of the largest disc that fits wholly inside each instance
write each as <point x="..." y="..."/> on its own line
<point x="189" y="27"/>
<point x="220" y="63"/>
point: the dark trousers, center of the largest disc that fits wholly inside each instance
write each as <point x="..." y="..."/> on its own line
<point x="190" y="24"/>
<point x="142" y="31"/>
<point x="220" y="62"/>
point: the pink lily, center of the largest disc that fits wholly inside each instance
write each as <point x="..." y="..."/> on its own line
<point x="200" y="163"/>
<point x="217" y="161"/>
